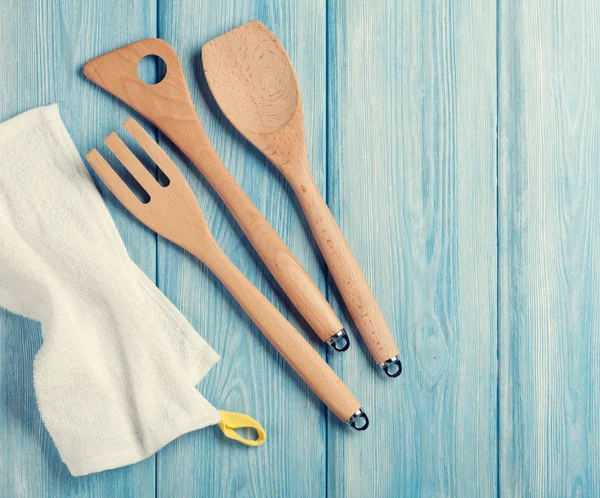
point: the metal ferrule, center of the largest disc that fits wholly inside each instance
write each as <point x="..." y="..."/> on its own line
<point x="358" y="420"/>
<point x="392" y="367"/>
<point x="339" y="341"/>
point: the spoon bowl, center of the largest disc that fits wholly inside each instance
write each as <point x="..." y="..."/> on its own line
<point x="248" y="66"/>
<point x="253" y="81"/>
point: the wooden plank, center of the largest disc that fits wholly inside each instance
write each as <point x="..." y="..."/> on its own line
<point x="412" y="181"/>
<point x="550" y="240"/>
<point x="44" y="45"/>
<point x="251" y="377"/>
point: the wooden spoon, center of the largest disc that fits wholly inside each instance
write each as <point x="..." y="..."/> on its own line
<point x="174" y="213"/>
<point x="168" y="105"/>
<point x="254" y="83"/>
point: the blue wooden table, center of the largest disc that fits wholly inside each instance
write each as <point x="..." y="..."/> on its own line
<point x="458" y="145"/>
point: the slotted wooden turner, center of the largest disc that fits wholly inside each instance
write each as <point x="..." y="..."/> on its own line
<point x="254" y="83"/>
<point x="168" y="105"/>
<point x="174" y="213"/>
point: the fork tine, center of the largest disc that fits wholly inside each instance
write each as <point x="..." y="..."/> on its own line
<point x="113" y="181"/>
<point x="155" y="151"/>
<point x="131" y="162"/>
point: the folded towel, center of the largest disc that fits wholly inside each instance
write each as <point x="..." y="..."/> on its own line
<point x="115" y="374"/>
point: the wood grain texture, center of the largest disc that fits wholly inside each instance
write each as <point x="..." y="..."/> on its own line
<point x="550" y="242"/>
<point x="44" y="45"/>
<point x="412" y="181"/>
<point x="250" y="378"/>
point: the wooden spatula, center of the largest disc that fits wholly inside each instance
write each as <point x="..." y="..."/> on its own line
<point x="254" y="83"/>
<point x="168" y="105"/>
<point x="174" y="213"/>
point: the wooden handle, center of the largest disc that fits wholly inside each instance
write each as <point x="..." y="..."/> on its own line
<point x="285" y="338"/>
<point x="351" y="282"/>
<point x="286" y="269"/>
<point x="168" y="105"/>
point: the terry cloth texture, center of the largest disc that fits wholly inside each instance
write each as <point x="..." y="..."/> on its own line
<point x="115" y="376"/>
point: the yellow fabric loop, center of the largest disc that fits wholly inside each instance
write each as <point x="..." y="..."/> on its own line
<point x="230" y="421"/>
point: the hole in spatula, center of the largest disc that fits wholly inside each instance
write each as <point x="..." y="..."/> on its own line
<point x="152" y="69"/>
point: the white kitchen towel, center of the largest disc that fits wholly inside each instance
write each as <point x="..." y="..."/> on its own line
<point x="114" y="378"/>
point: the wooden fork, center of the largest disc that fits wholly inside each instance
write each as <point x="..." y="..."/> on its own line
<point x="174" y="213"/>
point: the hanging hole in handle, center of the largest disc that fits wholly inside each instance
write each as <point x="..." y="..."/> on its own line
<point x="339" y="341"/>
<point x="359" y="420"/>
<point x="392" y="367"/>
<point x="152" y="69"/>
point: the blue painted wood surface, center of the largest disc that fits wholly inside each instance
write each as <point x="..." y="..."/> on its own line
<point x="457" y="145"/>
<point x="549" y="197"/>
